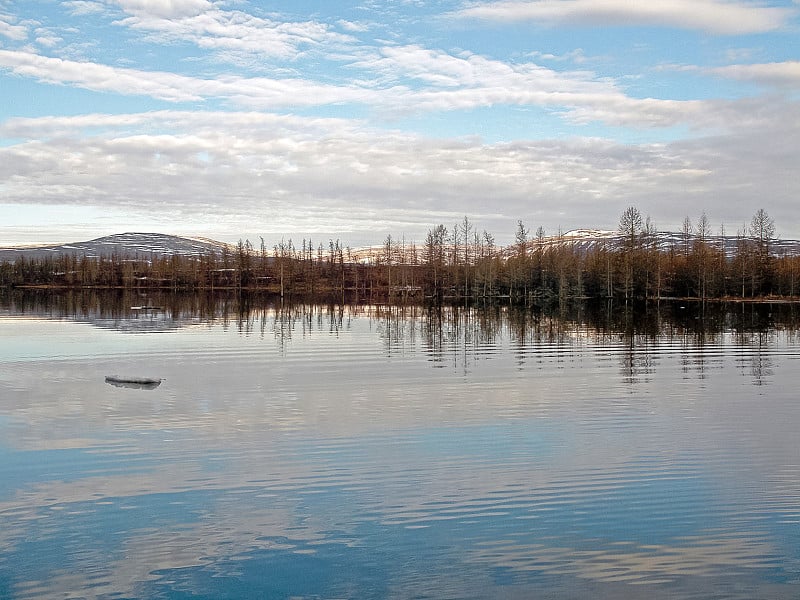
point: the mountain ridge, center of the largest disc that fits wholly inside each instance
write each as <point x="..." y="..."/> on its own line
<point x="126" y="244"/>
<point x="138" y="244"/>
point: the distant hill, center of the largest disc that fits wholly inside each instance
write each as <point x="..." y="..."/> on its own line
<point x="121" y="244"/>
<point x="147" y="244"/>
<point x="589" y="240"/>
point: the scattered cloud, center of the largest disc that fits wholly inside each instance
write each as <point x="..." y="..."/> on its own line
<point x="352" y="26"/>
<point x="471" y="81"/>
<point x="414" y="80"/>
<point x="459" y="84"/>
<point x="576" y="56"/>
<point x="47" y="37"/>
<point x="211" y="28"/>
<point x="81" y="8"/>
<point x="11" y="30"/>
<point x="738" y="54"/>
<point x="712" y="16"/>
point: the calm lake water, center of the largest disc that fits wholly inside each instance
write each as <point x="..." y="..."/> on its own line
<point x="388" y="452"/>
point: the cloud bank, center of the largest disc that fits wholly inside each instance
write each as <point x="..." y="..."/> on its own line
<point x="297" y="174"/>
<point x="711" y="16"/>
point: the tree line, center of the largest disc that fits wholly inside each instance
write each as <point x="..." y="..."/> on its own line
<point x="459" y="262"/>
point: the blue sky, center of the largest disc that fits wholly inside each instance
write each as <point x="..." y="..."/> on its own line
<point x="238" y="119"/>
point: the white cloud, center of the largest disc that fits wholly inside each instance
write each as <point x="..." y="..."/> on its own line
<point x="165" y="86"/>
<point x="713" y="16"/>
<point x="779" y="74"/>
<point x="47" y="37"/>
<point x="255" y="92"/>
<point x="166" y="9"/>
<point x="470" y="81"/>
<point x="353" y="26"/>
<point x="449" y="83"/>
<point x="9" y="29"/>
<point x="223" y="31"/>
<point x="80" y="8"/>
<point x="577" y="56"/>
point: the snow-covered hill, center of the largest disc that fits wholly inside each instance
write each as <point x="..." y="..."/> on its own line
<point x="148" y="244"/>
<point x="593" y="239"/>
<point x="122" y="244"/>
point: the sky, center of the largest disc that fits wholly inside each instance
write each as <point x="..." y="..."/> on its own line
<point x="243" y="119"/>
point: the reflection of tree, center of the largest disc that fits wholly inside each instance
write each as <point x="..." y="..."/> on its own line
<point x="395" y="326"/>
<point x="433" y="331"/>
<point x="637" y="361"/>
<point x="520" y="325"/>
<point x="450" y="335"/>
<point x="124" y="310"/>
<point x="754" y="359"/>
<point x="285" y="319"/>
<point x="761" y="362"/>
<point x="754" y="326"/>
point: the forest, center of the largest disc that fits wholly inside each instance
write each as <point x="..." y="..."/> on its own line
<point x="457" y="263"/>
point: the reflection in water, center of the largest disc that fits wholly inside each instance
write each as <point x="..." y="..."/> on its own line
<point x="397" y="451"/>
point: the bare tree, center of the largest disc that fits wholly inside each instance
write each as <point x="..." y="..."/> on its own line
<point x="630" y="228"/>
<point x="630" y="224"/>
<point x="466" y="230"/>
<point x="762" y="232"/>
<point x="702" y="254"/>
<point x="435" y="257"/>
<point x="519" y="267"/>
<point x="762" y="227"/>
<point x="652" y="260"/>
<point x="388" y="254"/>
<point x="686" y="233"/>
<point x="521" y="238"/>
<point x="283" y="253"/>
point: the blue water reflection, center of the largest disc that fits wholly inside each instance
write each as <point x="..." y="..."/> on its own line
<point x="371" y="452"/>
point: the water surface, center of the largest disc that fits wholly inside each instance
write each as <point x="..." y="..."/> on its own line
<point x="397" y="452"/>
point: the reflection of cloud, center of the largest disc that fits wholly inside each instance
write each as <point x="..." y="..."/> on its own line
<point x="268" y="447"/>
<point x="227" y="530"/>
<point x="709" y="553"/>
<point x="228" y="515"/>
